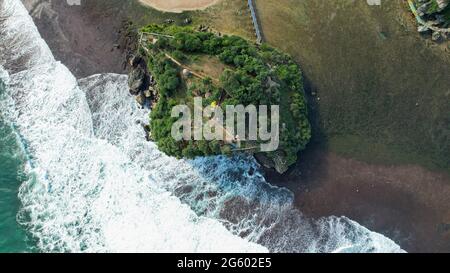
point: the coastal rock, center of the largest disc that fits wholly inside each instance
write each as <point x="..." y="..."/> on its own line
<point x="140" y="99"/>
<point x="148" y="133"/>
<point x="442" y="4"/>
<point x="276" y="162"/>
<point x="148" y="94"/>
<point x="138" y="79"/>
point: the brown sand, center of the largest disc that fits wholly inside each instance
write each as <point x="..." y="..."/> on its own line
<point x="84" y="38"/>
<point x="179" y="5"/>
<point x="406" y="203"/>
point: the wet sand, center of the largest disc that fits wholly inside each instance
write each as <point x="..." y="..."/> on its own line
<point x="407" y="203"/>
<point x="85" y="38"/>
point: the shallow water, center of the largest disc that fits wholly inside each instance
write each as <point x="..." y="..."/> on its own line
<point x="12" y="235"/>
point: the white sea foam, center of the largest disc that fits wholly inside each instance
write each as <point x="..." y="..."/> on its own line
<point x="231" y="190"/>
<point x="20" y="38"/>
<point x="99" y="186"/>
<point x="4" y="75"/>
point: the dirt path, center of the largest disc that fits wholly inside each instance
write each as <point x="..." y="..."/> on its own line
<point x="179" y="5"/>
<point x="175" y="61"/>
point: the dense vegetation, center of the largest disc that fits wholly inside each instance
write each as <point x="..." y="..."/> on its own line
<point x="250" y="74"/>
<point x="380" y="98"/>
<point x="432" y="8"/>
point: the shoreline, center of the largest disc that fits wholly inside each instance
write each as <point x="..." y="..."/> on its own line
<point x="406" y="203"/>
<point x="381" y="198"/>
<point x="85" y="39"/>
<point x="163" y="5"/>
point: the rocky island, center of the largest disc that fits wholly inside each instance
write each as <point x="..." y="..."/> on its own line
<point x="176" y="64"/>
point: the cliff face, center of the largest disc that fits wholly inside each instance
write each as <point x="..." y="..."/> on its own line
<point x="276" y="162"/>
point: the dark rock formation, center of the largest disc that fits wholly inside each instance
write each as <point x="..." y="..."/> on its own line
<point x="276" y="162"/>
<point x="138" y="77"/>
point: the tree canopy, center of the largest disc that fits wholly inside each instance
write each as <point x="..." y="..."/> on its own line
<point x="254" y="74"/>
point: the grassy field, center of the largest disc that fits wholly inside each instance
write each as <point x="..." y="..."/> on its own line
<point x="228" y="16"/>
<point x="208" y="65"/>
<point x="382" y="93"/>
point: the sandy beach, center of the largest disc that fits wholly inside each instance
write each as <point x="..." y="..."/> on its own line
<point x="85" y="38"/>
<point x="179" y="6"/>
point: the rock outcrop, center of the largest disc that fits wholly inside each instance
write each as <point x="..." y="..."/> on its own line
<point x="276" y="162"/>
<point x="138" y="78"/>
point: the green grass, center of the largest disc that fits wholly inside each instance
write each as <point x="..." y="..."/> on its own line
<point x="259" y="75"/>
<point x="382" y="94"/>
<point x="371" y="150"/>
<point x="228" y="16"/>
<point x="368" y="70"/>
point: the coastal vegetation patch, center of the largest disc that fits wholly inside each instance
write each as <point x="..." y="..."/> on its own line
<point x="179" y="5"/>
<point x="185" y="63"/>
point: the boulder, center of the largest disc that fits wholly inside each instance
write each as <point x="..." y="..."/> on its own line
<point x="442" y="4"/>
<point x="140" y="99"/>
<point x="138" y="78"/>
<point x="148" y="93"/>
<point x="276" y="162"/>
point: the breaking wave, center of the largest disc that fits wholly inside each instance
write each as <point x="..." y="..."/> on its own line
<point x="85" y="194"/>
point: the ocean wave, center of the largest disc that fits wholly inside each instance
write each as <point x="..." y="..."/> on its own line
<point x="232" y="190"/>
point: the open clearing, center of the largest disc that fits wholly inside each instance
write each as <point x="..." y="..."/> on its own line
<point x="179" y="5"/>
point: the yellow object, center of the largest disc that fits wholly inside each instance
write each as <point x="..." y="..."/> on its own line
<point x="214" y="104"/>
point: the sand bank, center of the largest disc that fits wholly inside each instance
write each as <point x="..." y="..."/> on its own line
<point x="179" y="5"/>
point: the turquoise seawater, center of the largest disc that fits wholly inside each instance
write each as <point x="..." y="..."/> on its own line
<point x="13" y="238"/>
